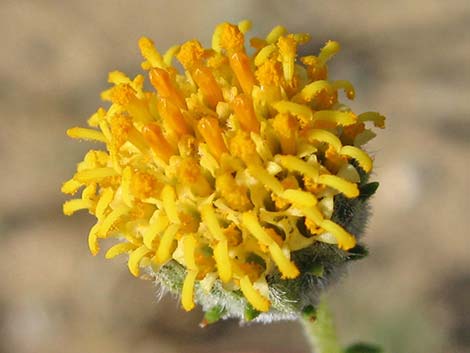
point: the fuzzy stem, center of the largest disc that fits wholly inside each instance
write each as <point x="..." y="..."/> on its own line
<point x="321" y="332"/>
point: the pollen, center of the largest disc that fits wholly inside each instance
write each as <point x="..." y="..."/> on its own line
<point x="226" y="168"/>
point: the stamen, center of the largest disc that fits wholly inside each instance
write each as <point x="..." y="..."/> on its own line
<point x="345" y="187"/>
<point x="253" y="296"/>
<point x="162" y="82"/>
<point x="173" y="117"/>
<point x="118" y="249"/>
<point x="359" y="155"/>
<point x="240" y="64"/>
<point x="245" y="113"/>
<point x="153" y="134"/>
<point x="86" y="134"/>
<point x="208" y="85"/>
<point x="210" y="130"/>
<point x="135" y="258"/>
<point x="187" y="293"/>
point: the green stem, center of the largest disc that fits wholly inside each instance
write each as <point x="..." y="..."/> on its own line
<point x="321" y="332"/>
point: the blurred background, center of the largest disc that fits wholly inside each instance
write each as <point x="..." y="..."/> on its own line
<point x="408" y="59"/>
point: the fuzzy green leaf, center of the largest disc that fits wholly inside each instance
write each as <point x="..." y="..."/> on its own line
<point x="363" y="348"/>
<point x="367" y="190"/>
<point x="251" y="313"/>
<point x="358" y="252"/>
<point x="214" y="314"/>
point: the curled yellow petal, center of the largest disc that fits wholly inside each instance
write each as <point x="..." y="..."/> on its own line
<point x="158" y="223"/>
<point x="347" y="86"/>
<point x="135" y="258"/>
<point x="105" y="199"/>
<point x="359" y="155"/>
<point x="266" y="179"/>
<point x="93" y="244"/>
<point x="345" y="240"/>
<point x="189" y="246"/>
<point x="253" y="296"/>
<point x="71" y="206"/>
<point x="293" y="163"/>
<point x="325" y="136"/>
<point x="90" y="175"/>
<point x="250" y="222"/>
<point x="118" y="249"/>
<point x="328" y="51"/>
<point x="187" y="293"/>
<point x="149" y="52"/>
<point x="71" y="186"/>
<point x="376" y="118"/>
<point x="335" y="116"/>
<point x="345" y="187"/>
<point x="287" y="267"/>
<point x="275" y="33"/>
<point x="210" y="220"/>
<point x="166" y="242"/>
<point x="109" y="220"/>
<point x="86" y="134"/>
<point x="293" y="108"/>
<point x="299" y="197"/>
<point x="169" y="204"/>
<point x="222" y="260"/>
<point x="312" y="89"/>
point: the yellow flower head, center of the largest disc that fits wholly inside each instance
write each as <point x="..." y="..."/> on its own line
<point x="234" y="180"/>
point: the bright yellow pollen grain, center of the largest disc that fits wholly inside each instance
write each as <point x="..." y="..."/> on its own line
<point x="193" y="165"/>
<point x="190" y="54"/>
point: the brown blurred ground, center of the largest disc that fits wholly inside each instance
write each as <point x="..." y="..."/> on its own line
<point x="408" y="59"/>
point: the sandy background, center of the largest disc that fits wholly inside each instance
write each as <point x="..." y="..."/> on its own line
<point x="408" y="59"/>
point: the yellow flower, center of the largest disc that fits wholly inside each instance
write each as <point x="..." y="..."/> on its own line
<point x="227" y="168"/>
